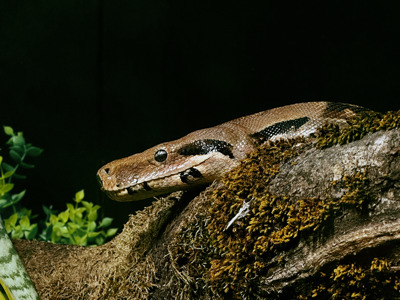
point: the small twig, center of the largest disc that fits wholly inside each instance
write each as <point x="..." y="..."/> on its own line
<point x="241" y="214"/>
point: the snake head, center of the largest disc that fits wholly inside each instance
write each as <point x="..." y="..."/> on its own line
<point x="194" y="160"/>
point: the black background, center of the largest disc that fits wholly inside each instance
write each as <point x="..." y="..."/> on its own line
<point x="92" y="81"/>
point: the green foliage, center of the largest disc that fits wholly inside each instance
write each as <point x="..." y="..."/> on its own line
<point x="19" y="151"/>
<point x="17" y="219"/>
<point x="77" y="225"/>
<point x="19" y="226"/>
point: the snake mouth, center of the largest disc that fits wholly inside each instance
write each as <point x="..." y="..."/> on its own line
<point x="199" y="174"/>
<point x="140" y="191"/>
<point x="160" y="186"/>
<point x="132" y="193"/>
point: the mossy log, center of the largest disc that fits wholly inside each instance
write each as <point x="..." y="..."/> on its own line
<point x="322" y="223"/>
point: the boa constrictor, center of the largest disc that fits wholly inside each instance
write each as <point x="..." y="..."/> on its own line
<point x="205" y="155"/>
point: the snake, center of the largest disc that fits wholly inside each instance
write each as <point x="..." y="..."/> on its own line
<point x="205" y="155"/>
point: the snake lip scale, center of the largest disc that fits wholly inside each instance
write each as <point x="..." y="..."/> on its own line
<point x="130" y="191"/>
<point x="205" y="155"/>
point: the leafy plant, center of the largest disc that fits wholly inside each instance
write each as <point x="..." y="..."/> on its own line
<point x="18" y="224"/>
<point x="76" y="225"/>
<point x="19" y="151"/>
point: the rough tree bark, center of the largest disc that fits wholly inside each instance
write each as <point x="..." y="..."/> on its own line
<point x="359" y="239"/>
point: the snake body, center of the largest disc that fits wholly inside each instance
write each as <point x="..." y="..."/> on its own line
<point x="205" y="155"/>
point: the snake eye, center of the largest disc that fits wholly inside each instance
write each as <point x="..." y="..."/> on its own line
<point x="160" y="155"/>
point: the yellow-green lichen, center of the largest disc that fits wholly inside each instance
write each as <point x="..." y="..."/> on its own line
<point x="228" y="262"/>
<point x="359" y="126"/>
<point x="273" y="224"/>
<point x="372" y="280"/>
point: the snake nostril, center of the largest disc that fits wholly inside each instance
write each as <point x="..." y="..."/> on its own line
<point x="107" y="170"/>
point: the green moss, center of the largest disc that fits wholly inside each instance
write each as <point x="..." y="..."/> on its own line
<point x="229" y="261"/>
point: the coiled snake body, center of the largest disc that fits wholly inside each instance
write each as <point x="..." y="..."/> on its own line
<point x="205" y="155"/>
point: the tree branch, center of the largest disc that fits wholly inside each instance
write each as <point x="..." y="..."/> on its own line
<point x="346" y="200"/>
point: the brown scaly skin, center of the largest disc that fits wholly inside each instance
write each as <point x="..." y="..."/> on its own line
<point x="205" y="155"/>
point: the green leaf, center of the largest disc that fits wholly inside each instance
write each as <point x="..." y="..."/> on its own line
<point x="49" y="232"/>
<point x="8" y="174"/>
<point x="7" y="167"/>
<point x="79" y="196"/>
<point x="55" y="235"/>
<point x="34" y="151"/>
<point x="20" y="149"/>
<point x="105" y="222"/>
<point x="25" y="222"/>
<point x="74" y="226"/>
<point x="111" y="232"/>
<point x="7" y="226"/>
<point x="31" y="234"/>
<point x="17" y="140"/>
<point x="17" y="197"/>
<point x="8" y="130"/>
<point x="100" y="240"/>
<point x="80" y="210"/>
<point x="6" y="197"/>
<point x="53" y="219"/>
<point x="87" y="205"/>
<point x="12" y="220"/>
<point x="64" y="216"/>
<point x="27" y="166"/>
<point x="76" y="216"/>
<point x="18" y="176"/>
<point x="81" y="241"/>
<point x="70" y="207"/>
<point x="92" y="215"/>
<point x="17" y="233"/>
<point x="15" y="156"/>
<point x="47" y="210"/>
<point x="2" y="202"/>
<point x="24" y="212"/>
<point x="65" y="231"/>
<point x="93" y="234"/>
<point x="91" y="226"/>
<point x="5" y="188"/>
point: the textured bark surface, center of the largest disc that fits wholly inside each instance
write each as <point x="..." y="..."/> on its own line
<point x="140" y="263"/>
